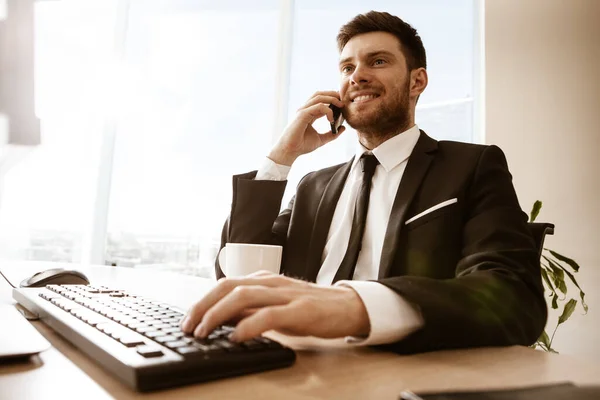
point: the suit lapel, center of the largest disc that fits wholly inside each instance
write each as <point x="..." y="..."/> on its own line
<point x="323" y="219"/>
<point x="417" y="166"/>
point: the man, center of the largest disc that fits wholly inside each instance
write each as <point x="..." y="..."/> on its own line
<point x="443" y="258"/>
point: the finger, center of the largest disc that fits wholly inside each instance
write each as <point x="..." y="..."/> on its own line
<point x="240" y="299"/>
<point x="195" y="313"/>
<point x="329" y="136"/>
<point x="224" y="286"/>
<point x="316" y="111"/>
<point x="329" y="93"/>
<point x="243" y="314"/>
<point x="270" y="318"/>
<point x="323" y="99"/>
<point x="261" y="273"/>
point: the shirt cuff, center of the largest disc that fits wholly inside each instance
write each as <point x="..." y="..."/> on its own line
<point x="392" y="318"/>
<point x="271" y="171"/>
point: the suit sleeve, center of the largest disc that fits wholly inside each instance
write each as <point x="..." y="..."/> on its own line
<point x="496" y="297"/>
<point x="255" y="216"/>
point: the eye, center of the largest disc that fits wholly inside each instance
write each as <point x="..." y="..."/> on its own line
<point x="346" y="69"/>
<point x="379" y="61"/>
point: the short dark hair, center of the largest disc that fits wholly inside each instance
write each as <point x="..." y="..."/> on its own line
<point x="375" y="21"/>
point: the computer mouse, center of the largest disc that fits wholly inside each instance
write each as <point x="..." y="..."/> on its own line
<point x="56" y="276"/>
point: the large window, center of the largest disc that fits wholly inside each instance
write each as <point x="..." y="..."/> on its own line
<point x="148" y="107"/>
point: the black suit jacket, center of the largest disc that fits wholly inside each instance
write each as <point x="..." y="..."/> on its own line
<point x="471" y="267"/>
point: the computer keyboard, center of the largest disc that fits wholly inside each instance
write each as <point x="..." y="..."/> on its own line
<point x="139" y="340"/>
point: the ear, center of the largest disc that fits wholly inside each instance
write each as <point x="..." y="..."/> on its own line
<point x="418" y="81"/>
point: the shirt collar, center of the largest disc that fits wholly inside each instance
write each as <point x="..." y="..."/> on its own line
<point x="392" y="152"/>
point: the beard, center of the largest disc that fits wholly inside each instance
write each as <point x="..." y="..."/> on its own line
<point x="390" y="117"/>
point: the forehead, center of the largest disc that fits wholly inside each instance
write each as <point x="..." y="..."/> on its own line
<point x="361" y="45"/>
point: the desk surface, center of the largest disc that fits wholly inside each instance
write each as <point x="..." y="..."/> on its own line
<point x="323" y="369"/>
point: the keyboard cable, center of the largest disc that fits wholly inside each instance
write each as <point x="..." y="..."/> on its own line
<point x="6" y="279"/>
<point x="25" y="312"/>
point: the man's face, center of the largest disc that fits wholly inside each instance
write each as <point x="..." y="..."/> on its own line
<point x="375" y="84"/>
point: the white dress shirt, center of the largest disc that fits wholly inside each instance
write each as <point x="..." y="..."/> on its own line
<point x="391" y="317"/>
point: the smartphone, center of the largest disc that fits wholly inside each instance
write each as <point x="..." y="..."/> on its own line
<point x="338" y="119"/>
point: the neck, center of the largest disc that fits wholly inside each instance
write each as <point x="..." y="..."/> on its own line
<point x="371" y="140"/>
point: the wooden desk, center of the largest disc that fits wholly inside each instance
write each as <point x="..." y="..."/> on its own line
<point x="322" y="370"/>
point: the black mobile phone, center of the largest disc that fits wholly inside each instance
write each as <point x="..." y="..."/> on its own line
<point x="338" y="119"/>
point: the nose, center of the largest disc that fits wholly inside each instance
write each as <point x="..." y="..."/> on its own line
<point x="359" y="75"/>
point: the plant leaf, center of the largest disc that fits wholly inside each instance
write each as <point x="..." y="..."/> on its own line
<point x="540" y="345"/>
<point x="562" y="286"/>
<point x="559" y="273"/>
<point x="547" y="280"/>
<point x="572" y="278"/>
<point x="583" y="304"/>
<point x="554" y="301"/>
<point x="562" y="258"/>
<point x="567" y="311"/>
<point x="558" y="276"/>
<point x="537" y="206"/>
<point x="544" y="339"/>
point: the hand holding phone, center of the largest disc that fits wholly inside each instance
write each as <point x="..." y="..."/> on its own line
<point x="338" y="119"/>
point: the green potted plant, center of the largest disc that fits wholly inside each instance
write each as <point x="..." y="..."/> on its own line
<point x="555" y="269"/>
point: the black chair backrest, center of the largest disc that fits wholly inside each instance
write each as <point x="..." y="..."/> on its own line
<point x="539" y="230"/>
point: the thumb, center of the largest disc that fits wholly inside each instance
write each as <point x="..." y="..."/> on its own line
<point x="329" y="136"/>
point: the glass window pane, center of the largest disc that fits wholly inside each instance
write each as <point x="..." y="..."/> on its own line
<point x="200" y="108"/>
<point x="47" y="198"/>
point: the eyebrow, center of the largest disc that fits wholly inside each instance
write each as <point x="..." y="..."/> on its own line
<point x="369" y="55"/>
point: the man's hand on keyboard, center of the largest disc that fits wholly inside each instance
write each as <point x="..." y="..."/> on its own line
<point x="264" y="301"/>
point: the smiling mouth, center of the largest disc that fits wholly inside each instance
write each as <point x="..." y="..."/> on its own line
<point x="365" y="98"/>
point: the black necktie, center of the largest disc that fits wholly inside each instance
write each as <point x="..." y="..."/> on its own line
<point x="346" y="270"/>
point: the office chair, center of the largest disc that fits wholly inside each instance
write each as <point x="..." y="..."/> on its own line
<point x="539" y="230"/>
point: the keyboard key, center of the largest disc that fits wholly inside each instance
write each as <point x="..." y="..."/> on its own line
<point x="172" y="321"/>
<point x="215" y="348"/>
<point x="207" y="346"/>
<point x="145" y="329"/>
<point x="228" y="345"/>
<point x="148" y="351"/>
<point x="103" y="325"/>
<point x="200" y="346"/>
<point x="67" y="307"/>
<point x="117" y="334"/>
<point x="174" y="314"/>
<point x="187" y="350"/>
<point x="131" y="341"/>
<point x="154" y="334"/>
<point x="171" y="329"/>
<point x="165" y="339"/>
<point x="176" y="343"/>
<point x="126" y="321"/>
<point x="155" y="314"/>
<point x="94" y="320"/>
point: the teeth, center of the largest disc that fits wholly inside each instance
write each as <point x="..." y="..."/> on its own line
<point x="365" y="97"/>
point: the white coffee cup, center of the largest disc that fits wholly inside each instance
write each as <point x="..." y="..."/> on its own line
<point x="241" y="259"/>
